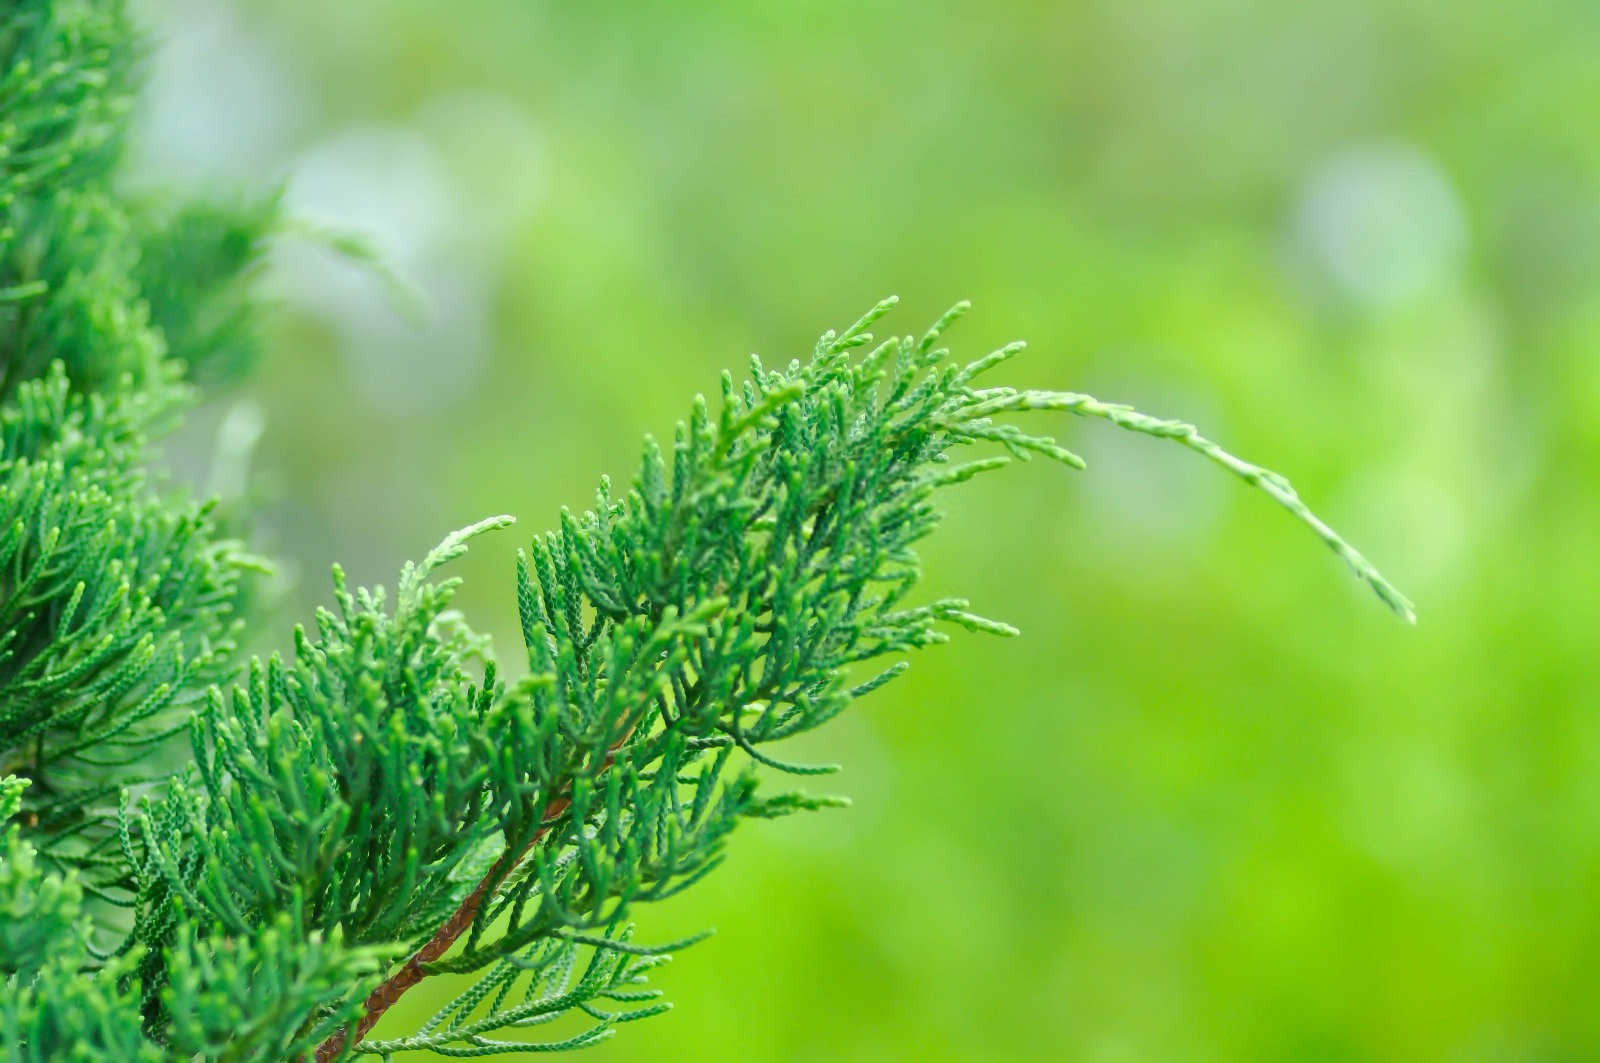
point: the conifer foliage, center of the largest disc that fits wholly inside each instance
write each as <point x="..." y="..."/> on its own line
<point x="203" y="857"/>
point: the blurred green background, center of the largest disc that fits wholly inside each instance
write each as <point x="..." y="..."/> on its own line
<point x="1215" y="804"/>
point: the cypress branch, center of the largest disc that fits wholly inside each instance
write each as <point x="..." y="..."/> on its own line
<point x="379" y="805"/>
<point x="718" y="605"/>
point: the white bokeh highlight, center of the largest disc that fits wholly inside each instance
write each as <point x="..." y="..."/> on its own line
<point x="1382" y="223"/>
<point x="220" y="105"/>
<point x="426" y="342"/>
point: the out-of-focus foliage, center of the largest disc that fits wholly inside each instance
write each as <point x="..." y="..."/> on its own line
<point x="1223" y="816"/>
<point x="117" y="593"/>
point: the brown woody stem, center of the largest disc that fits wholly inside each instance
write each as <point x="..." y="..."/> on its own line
<point x="410" y="973"/>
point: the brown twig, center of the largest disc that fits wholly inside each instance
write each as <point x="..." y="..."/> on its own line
<point x="410" y="973"/>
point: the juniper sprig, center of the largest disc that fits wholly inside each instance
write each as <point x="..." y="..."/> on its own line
<point x="674" y="634"/>
<point x="202" y="858"/>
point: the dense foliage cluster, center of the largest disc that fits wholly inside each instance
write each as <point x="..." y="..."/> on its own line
<point x="209" y="858"/>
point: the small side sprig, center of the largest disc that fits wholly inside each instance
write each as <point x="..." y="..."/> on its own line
<point x="602" y="976"/>
<point x="1003" y="400"/>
